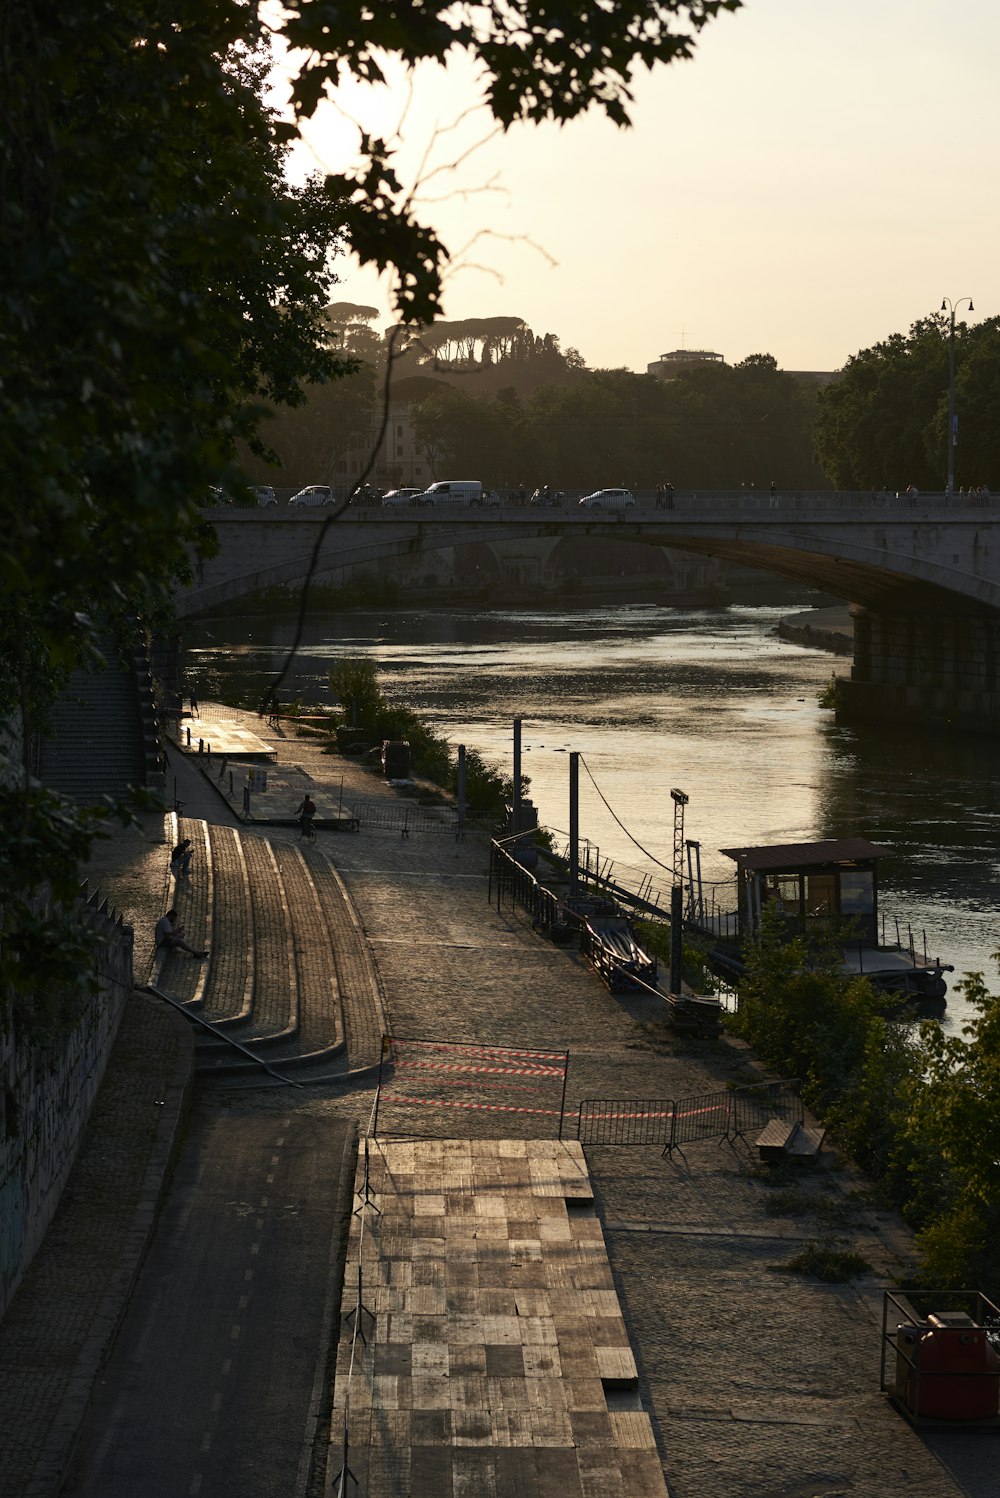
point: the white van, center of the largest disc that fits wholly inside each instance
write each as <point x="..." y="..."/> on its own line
<point x="452" y="492"/>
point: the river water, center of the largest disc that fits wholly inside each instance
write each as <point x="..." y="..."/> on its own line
<point x="710" y="702"/>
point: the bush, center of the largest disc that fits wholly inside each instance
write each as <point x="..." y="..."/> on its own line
<point x="831" y="1265"/>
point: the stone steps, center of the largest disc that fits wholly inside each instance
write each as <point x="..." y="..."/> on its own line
<point x="96" y="742"/>
<point x="270" y="980"/>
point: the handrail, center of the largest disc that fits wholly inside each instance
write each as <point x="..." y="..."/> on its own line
<point x="237" y="1045"/>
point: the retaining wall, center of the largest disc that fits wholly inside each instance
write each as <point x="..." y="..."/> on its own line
<point x="46" y="1100"/>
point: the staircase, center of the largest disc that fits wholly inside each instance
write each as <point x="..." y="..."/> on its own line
<point x="102" y="737"/>
<point x="267" y="911"/>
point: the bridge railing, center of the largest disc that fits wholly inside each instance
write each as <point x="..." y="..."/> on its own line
<point x="750" y="500"/>
<point x="746" y="500"/>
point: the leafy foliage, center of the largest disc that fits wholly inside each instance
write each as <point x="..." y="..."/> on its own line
<point x="716" y="427"/>
<point x="883" y="423"/>
<point x="161" y="281"/>
<point x="953" y="1131"/>
<point x="920" y="1113"/>
<point x="810" y="1020"/>
<point x="354" y="683"/>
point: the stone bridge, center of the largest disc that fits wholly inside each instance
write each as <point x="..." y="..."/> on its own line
<point x="923" y="572"/>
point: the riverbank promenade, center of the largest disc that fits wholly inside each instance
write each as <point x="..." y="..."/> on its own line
<point x="539" y="1317"/>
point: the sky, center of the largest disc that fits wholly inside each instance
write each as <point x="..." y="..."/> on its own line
<point x="822" y="174"/>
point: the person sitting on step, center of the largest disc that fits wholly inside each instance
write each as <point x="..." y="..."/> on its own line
<point x="170" y="936"/>
<point x="180" y="858"/>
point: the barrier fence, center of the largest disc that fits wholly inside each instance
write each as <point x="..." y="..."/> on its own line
<point x="511" y="881"/>
<point x="438" y="1087"/>
<point x="728" y="1114"/>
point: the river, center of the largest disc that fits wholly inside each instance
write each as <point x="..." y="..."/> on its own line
<point x="710" y="702"/>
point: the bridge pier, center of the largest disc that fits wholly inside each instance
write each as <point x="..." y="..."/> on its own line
<point x="929" y="669"/>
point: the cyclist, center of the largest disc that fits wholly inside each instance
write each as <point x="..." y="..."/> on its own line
<point x="305" y="812"/>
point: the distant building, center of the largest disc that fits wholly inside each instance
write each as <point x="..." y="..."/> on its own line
<point x="667" y="365"/>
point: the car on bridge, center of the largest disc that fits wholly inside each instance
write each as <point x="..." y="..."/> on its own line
<point x="608" y="499"/>
<point x="312" y="496"/>
<point x="393" y="498"/>
<point x="265" y="496"/>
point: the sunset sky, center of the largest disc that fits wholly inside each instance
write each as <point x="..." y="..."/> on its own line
<point x="819" y="176"/>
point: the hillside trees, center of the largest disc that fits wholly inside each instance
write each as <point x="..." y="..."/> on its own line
<point x="717" y="427"/>
<point x="883" y="423"/>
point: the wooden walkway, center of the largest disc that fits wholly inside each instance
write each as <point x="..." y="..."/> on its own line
<point x="226" y="736"/>
<point x="495" y="1360"/>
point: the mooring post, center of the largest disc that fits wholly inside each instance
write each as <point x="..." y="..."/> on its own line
<point x="574" y="821"/>
<point x="516" y="807"/>
<point x="676" y="938"/>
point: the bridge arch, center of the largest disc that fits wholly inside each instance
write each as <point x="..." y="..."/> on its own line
<point x="938" y="558"/>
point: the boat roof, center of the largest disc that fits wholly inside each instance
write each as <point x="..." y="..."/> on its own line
<point x="806" y="855"/>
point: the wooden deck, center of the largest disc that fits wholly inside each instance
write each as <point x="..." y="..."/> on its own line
<point x="226" y="736"/>
<point x="496" y="1361"/>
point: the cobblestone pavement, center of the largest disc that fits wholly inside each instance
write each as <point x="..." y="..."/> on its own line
<point x="759" y="1382"/>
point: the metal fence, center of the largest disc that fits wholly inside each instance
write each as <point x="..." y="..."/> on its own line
<point x="727" y="1114"/>
<point x="625" y="1120"/>
<point x="511" y="882"/>
<point x="384" y="815"/>
<point x="706" y="1116"/>
<point x="755" y="1106"/>
<point x="444" y="1087"/>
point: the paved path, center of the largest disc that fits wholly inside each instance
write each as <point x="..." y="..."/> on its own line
<point x="215" y="1385"/>
<point x="65" y="1315"/>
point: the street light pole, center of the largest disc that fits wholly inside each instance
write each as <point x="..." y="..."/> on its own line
<point x="948" y="305"/>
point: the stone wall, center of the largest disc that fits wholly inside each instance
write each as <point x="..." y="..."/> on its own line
<point x="931" y="670"/>
<point x="46" y="1099"/>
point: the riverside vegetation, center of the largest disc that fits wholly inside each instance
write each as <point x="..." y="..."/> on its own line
<point x="917" y="1109"/>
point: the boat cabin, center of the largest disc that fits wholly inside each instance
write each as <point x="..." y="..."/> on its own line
<point x="816" y="887"/>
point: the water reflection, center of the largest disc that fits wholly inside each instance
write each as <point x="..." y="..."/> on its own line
<point x="710" y="701"/>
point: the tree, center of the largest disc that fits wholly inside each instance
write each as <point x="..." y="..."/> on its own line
<point x="883" y="423"/>
<point x="163" y="285"/>
<point x="161" y="280"/>
<point x="710" y="428"/>
<point x="952" y="1140"/>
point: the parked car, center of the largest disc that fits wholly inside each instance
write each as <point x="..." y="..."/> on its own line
<point x="608" y="499"/>
<point x="395" y="497"/>
<point x="546" y="497"/>
<point x="265" y="495"/>
<point x="311" y="496"/>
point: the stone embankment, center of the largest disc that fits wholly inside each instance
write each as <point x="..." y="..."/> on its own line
<point x="825" y="629"/>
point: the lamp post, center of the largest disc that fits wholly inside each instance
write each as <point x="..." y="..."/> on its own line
<point x="948" y="305"/>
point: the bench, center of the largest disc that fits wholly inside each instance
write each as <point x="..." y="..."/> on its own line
<point x="779" y="1139"/>
<point x="774" y="1139"/>
<point x="806" y="1141"/>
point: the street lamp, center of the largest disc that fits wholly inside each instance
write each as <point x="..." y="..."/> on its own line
<point x="948" y="305"/>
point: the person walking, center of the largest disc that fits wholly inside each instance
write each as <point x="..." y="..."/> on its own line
<point x="195" y="710"/>
<point x="169" y="936"/>
<point x="305" y="812"/>
<point x="180" y="858"/>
